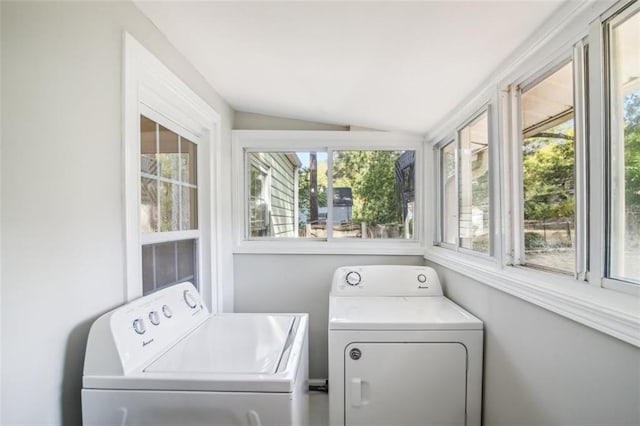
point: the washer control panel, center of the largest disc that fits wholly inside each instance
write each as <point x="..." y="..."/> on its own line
<point x="386" y="280"/>
<point x="146" y="326"/>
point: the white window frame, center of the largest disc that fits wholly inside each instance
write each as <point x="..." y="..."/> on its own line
<point x="321" y="141"/>
<point x="151" y="89"/>
<point x="603" y="168"/>
<point x="576" y="57"/>
<point x="591" y="302"/>
<point x="455" y="139"/>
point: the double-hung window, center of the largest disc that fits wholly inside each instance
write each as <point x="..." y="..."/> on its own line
<point x="170" y="139"/>
<point x="168" y="206"/>
<point x="465" y="187"/>
<point x="350" y="191"/>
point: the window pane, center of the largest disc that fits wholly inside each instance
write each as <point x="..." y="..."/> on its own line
<point x="548" y="174"/>
<point x="148" y="205"/>
<point x="169" y="207"/>
<point x="373" y="194"/>
<point x="189" y="207"/>
<point x="188" y="154"/>
<point x="186" y="252"/>
<point x="473" y="198"/>
<point x="624" y="214"/>
<point x="449" y="194"/>
<point x="287" y="194"/>
<point x="165" y="264"/>
<point x="168" y="157"/>
<point x="148" y="146"/>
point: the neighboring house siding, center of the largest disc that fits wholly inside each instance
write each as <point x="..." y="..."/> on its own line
<point x="282" y="194"/>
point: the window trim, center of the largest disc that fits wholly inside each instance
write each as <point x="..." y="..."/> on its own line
<point x="321" y="141"/>
<point x="151" y="88"/>
<point x="606" y="306"/>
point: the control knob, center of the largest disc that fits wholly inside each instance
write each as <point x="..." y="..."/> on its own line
<point x="154" y="317"/>
<point x="353" y="278"/>
<point x="167" y="311"/>
<point x="138" y="326"/>
<point x="190" y="300"/>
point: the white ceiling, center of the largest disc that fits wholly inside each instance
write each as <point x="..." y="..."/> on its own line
<point x="384" y="65"/>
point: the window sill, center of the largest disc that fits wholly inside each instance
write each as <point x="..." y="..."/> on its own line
<point x="370" y="247"/>
<point x="611" y="312"/>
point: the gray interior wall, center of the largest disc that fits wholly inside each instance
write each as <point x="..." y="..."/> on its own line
<point x="62" y="209"/>
<point x="543" y="369"/>
<point x="298" y="283"/>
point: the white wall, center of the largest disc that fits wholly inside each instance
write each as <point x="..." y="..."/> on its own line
<point x="544" y="369"/>
<point x="298" y="283"/>
<point x="62" y="229"/>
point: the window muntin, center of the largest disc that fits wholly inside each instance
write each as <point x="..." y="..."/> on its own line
<point x="373" y="194"/>
<point x="548" y="172"/>
<point x="168" y="206"/>
<point x="624" y="149"/>
<point x="473" y="190"/>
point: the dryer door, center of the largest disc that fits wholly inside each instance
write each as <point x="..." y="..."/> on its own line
<point x="405" y="384"/>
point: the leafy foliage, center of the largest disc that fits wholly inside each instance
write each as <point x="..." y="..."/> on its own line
<point x="632" y="148"/>
<point x="548" y="174"/>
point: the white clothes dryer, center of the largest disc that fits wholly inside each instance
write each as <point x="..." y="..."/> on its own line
<point x="164" y="359"/>
<point x="400" y="353"/>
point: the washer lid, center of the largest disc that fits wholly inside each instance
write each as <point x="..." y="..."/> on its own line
<point x="227" y="353"/>
<point x="229" y="344"/>
<point x="399" y="313"/>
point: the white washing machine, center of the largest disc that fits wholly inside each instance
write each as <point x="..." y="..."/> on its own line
<point x="400" y="353"/>
<point x="164" y="359"/>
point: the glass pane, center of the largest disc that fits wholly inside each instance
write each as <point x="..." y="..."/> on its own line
<point x="449" y="194"/>
<point x="548" y="174"/>
<point x="188" y="154"/>
<point x="169" y="263"/>
<point x="169" y="207"/>
<point x="287" y="194"/>
<point x="148" y="268"/>
<point x="473" y="197"/>
<point x="168" y="157"/>
<point x="186" y="260"/>
<point x="373" y="194"/>
<point x="148" y="146"/>
<point x="189" y="215"/>
<point x="624" y="235"/>
<point x="148" y="205"/>
<point x="165" y="263"/>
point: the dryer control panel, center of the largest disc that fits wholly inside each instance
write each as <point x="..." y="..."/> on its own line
<point x="386" y="280"/>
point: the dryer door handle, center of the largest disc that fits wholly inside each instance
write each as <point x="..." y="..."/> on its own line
<point x="356" y="392"/>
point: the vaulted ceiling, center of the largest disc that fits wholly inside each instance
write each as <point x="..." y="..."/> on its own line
<point x="384" y="65"/>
